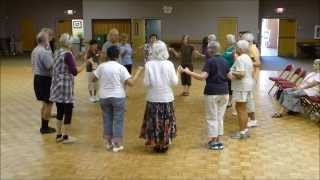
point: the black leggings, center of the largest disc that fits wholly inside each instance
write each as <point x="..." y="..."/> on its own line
<point x="64" y="110"/>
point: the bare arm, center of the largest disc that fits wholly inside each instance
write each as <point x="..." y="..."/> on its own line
<point x="311" y="85"/>
<point x="175" y="53"/>
<point x="196" y="53"/>
<point x="202" y="76"/>
<point x="130" y="81"/>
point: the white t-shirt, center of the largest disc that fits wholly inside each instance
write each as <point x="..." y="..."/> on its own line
<point x="311" y="77"/>
<point x="243" y="63"/>
<point x="112" y="77"/>
<point x="159" y="77"/>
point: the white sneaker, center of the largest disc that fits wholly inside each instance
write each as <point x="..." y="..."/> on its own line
<point x="108" y="146"/>
<point x="97" y="99"/>
<point x="117" y="148"/>
<point x="92" y="99"/>
<point x="70" y="140"/>
<point x="252" y="123"/>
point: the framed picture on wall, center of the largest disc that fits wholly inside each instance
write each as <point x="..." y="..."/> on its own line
<point x="317" y="32"/>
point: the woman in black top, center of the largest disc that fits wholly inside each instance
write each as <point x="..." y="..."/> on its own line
<point x="186" y="54"/>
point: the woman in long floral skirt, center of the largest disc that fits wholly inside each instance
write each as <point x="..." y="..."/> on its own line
<point x="159" y="124"/>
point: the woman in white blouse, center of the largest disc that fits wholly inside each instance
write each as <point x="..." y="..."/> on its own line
<point x="159" y="124"/>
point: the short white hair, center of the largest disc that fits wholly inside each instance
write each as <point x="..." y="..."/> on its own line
<point x="248" y="37"/>
<point x="159" y="51"/>
<point x="66" y="40"/>
<point x="214" y="45"/>
<point x="212" y="37"/>
<point x="231" y="39"/>
<point x="243" y="45"/>
<point x="40" y="38"/>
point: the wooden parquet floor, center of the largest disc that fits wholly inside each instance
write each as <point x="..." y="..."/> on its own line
<point x="286" y="148"/>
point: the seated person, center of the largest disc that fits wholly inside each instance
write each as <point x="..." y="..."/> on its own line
<point x="290" y="98"/>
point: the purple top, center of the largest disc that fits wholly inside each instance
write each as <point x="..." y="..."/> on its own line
<point x="69" y="60"/>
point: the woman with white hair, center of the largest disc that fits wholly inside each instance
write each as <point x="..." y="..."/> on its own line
<point x="212" y="37"/>
<point x="255" y="57"/>
<point x="42" y="61"/>
<point x="242" y="85"/>
<point x="215" y="73"/>
<point x="159" y="124"/>
<point x="62" y="87"/>
<point x="112" y="40"/>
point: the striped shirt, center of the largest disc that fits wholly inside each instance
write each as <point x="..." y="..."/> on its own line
<point x="42" y="61"/>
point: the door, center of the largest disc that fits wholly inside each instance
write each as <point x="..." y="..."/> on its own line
<point x="28" y="34"/>
<point x="138" y="37"/>
<point x="101" y="27"/>
<point x="153" y="26"/>
<point x="228" y="25"/>
<point x="64" y="26"/>
<point x="287" y="37"/>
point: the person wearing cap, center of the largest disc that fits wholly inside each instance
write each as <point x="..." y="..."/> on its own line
<point x="290" y="98"/>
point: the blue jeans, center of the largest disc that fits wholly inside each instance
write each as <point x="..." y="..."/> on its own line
<point x="113" y="110"/>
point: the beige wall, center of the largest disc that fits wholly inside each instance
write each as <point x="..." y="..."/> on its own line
<point x="197" y="18"/>
<point x="306" y="12"/>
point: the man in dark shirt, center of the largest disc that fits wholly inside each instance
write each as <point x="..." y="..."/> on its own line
<point x="215" y="73"/>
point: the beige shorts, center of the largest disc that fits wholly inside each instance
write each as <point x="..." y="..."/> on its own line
<point x="92" y="86"/>
<point x="244" y="96"/>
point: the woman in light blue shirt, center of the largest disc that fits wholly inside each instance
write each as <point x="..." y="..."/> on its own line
<point x="125" y="52"/>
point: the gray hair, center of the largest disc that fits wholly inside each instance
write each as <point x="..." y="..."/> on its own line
<point x="215" y="45"/>
<point x="243" y="45"/>
<point x="231" y="39"/>
<point x="47" y="30"/>
<point x="212" y="37"/>
<point x="248" y="37"/>
<point x="41" y="37"/>
<point x="159" y="51"/>
<point x="65" y="40"/>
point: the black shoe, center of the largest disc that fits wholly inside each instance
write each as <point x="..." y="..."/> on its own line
<point x="47" y="130"/>
<point x="164" y="149"/>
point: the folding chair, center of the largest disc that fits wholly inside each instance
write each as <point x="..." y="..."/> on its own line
<point x="311" y="104"/>
<point x="284" y="75"/>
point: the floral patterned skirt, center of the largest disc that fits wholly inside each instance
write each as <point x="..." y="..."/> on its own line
<point x="159" y="124"/>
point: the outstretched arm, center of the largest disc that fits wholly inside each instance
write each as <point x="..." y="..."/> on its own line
<point x="202" y="76"/>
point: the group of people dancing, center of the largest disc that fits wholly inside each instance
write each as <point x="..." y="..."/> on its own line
<point x="232" y="72"/>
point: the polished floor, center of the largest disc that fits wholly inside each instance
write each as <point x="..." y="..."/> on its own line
<point x="286" y="148"/>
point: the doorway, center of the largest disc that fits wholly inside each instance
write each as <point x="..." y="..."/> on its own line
<point x="64" y="26"/>
<point x="152" y="26"/>
<point x="269" y="37"/>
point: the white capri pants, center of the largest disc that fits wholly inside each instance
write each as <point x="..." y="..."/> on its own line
<point x="215" y="106"/>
